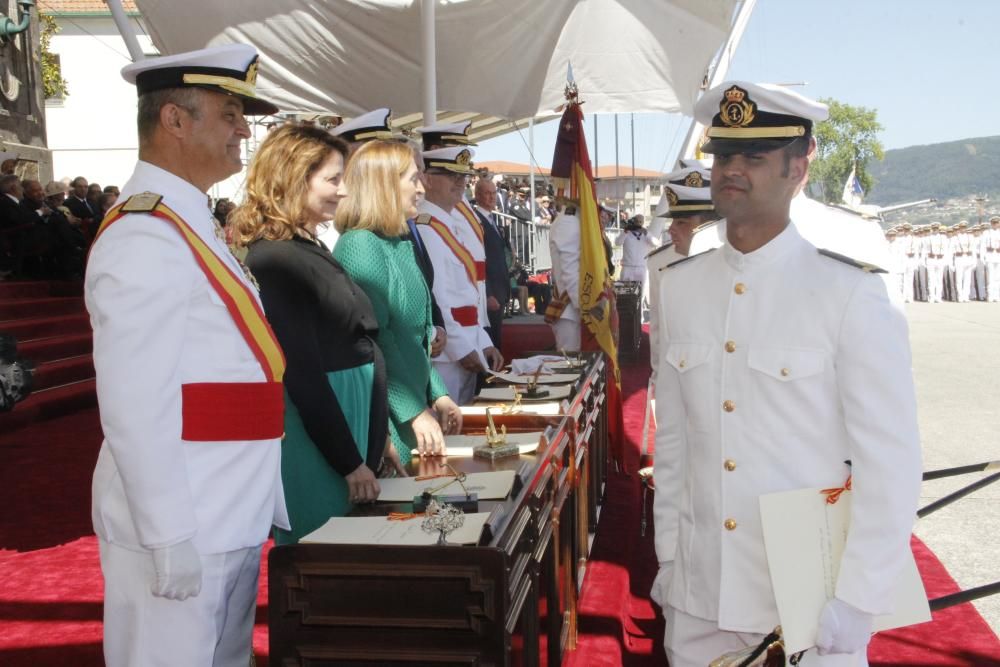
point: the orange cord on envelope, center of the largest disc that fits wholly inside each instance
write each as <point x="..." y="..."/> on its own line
<point x="404" y="516"/>
<point x="833" y="495"/>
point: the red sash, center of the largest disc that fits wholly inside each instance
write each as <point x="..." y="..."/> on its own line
<point x="476" y="271"/>
<point x="473" y="220"/>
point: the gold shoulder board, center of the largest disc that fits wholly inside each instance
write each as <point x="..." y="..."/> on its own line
<point x="142" y="203"/>
<point x="424" y="219"/>
<point x="850" y="261"/>
<point x="684" y="259"/>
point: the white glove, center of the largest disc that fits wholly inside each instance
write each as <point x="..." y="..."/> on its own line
<point x="662" y="583"/>
<point x="842" y="628"/>
<point x="178" y="571"/>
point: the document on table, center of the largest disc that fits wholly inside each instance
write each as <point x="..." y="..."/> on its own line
<point x="488" y="485"/>
<point x="462" y="445"/>
<point x="382" y="530"/>
<point x="804" y="537"/>
<point x="543" y="378"/>
<point x="507" y="394"/>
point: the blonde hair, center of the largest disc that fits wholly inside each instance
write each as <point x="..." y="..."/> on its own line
<point x="278" y="182"/>
<point x="372" y="181"/>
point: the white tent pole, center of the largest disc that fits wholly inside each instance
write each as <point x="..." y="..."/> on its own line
<point x="531" y="163"/>
<point x="631" y="127"/>
<point x="428" y="42"/>
<point x="125" y="28"/>
<point x="717" y="72"/>
<point x="618" y="182"/>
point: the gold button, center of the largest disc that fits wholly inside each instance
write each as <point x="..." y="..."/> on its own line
<point x="729" y="465"/>
<point x="730" y="346"/>
<point x="785" y="372"/>
<point x="730" y="524"/>
<point x="682" y="364"/>
<point x="728" y="406"/>
<point x="740" y="288"/>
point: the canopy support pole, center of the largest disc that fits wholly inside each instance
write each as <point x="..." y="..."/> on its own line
<point x="125" y="28"/>
<point x="531" y="164"/>
<point x="428" y="42"/>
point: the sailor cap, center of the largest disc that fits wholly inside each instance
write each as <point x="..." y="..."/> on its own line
<point x="744" y="117"/>
<point x="368" y="126"/>
<point x="446" y="134"/>
<point x="230" y="69"/>
<point x="456" y="159"/>
<point x="679" y="201"/>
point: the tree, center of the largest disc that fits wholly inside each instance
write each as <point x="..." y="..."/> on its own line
<point x="53" y="84"/>
<point x="847" y="139"/>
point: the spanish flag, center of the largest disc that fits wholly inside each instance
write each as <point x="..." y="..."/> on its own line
<point x="574" y="183"/>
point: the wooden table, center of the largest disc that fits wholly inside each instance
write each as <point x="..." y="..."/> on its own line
<point x="488" y="604"/>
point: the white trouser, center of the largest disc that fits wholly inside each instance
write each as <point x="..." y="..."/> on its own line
<point x="963" y="279"/>
<point x="908" y="274"/>
<point x="935" y="282"/>
<point x="993" y="279"/>
<point x="461" y="383"/>
<point x="567" y="333"/>
<point x="979" y="283"/>
<point x="212" y="629"/>
<point x="694" y="642"/>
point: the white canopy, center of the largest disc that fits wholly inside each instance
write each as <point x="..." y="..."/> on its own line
<point x="497" y="58"/>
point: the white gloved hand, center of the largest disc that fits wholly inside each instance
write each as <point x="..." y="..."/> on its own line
<point x="842" y="628"/>
<point x="178" y="571"/>
<point x="661" y="584"/>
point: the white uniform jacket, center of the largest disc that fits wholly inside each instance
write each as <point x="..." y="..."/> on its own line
<point x="778" y="366"/>
<point x="635" y="245"/>
<point x="656" y="262"/>
<point x="158" y="324"/>
<point x="564" y="249"/>
<point x="452" y="287"/>
<point x="470" y="239"/>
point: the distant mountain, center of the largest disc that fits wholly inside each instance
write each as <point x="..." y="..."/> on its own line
<point x="941" y="171"/>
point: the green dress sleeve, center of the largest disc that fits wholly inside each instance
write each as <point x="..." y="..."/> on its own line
<point x="365" y="257"/>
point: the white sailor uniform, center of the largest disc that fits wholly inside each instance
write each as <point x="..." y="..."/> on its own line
<point x="159" y="329"/>
<point x="635" y="245"/>
<point x="459" y="297"/>
<point x="776" y="367"/>
<point x="564" y="249"/>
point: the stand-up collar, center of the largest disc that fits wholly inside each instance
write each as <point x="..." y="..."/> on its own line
<point x="766" y="254"/>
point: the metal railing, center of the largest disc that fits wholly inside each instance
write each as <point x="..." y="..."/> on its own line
<point x="529" y="241"/>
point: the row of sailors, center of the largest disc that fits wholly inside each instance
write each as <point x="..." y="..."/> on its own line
<point x="936" y="262"/>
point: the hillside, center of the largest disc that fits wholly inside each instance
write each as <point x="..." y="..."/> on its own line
<point x="941" y="171"/>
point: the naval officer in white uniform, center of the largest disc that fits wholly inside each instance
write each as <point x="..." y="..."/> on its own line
<point x="187" y="483"/>
<point x="779" y="363"/>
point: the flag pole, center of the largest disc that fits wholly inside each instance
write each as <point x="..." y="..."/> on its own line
<point x="429" y="73"/>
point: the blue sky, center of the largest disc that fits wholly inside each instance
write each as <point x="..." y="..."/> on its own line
<point x="929" y="67"/>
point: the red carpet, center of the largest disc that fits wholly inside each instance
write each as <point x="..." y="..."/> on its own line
<point x="50" y="595"/>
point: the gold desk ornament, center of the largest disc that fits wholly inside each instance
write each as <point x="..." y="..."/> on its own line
<point x="574" y="363"/>
<point x="532" y="390"/>
<point x="465" y="501"/>
<point x="496" y="446"/>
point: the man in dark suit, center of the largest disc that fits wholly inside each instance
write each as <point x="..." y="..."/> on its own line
<point x="78" y="205"/>
<point x="497" y="280"/>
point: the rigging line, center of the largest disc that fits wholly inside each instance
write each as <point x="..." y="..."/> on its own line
<point x="64" y="17"/>
<point x="673" y="143"/>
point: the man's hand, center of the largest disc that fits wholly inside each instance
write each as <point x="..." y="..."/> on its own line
<point x="439" y="341"/>
<point x="392" y="466"/>
<point x="449" y="415"/>
<point x="177" y="571"/>
<point x="494" y="357"/>
<point x="492" y="304"/>
<point x="430" y="439"/>
<point x="597" y="312"/>
<point x="842" y="628"/>
<point x="471" y="362"/>
<point x="362" y="485"/>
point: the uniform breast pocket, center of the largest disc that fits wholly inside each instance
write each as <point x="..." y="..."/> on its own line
<point x="788" y="388"/>
<point x="691" y="361"/>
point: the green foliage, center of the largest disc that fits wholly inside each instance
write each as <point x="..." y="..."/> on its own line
<point x="53" y="83"/>
<point x="848" y="138"/>
<point x="943" y="171"/>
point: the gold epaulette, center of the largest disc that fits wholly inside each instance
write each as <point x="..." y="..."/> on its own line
<point x="144" y="202"/>
<point x="684" y="259"/>
<point x="424" y="219"/>
<point x="864" y="266"/>
<point x="656" y="251"/>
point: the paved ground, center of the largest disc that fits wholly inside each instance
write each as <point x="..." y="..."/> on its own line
<point x="956" y="362"/>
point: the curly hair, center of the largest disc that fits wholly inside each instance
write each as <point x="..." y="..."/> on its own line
<point x="278" y="182"/>
<point x="373" y="199"/>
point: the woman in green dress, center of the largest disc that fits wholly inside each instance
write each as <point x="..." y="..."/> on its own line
<point x="384" y="187"/>
<point x="336" y="415"/>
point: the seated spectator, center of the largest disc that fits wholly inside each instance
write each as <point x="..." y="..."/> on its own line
<point x="106" y="202"/>
<point x="79" y="205"/>
<point x="94" y="193"/>
<point x="112" y="190"/>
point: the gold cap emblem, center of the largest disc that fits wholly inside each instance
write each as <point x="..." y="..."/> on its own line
<point x="463" y="158"/>
<point x="737" y="109"/>
<point x="251" y="79"/>
<point x="694" y="180"/>
<point x="672" y="197"/>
